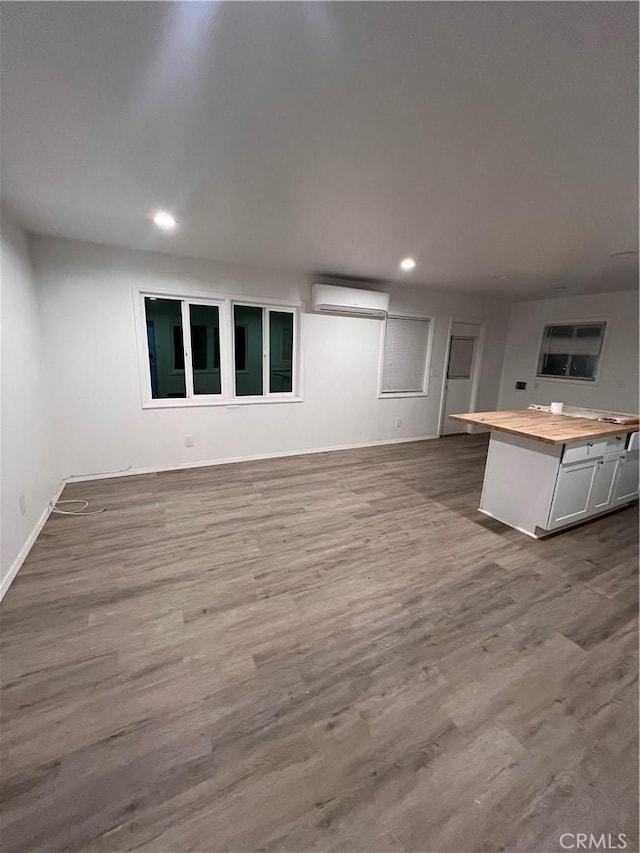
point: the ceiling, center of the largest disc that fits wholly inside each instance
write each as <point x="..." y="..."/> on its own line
<point x="496" y="143"/>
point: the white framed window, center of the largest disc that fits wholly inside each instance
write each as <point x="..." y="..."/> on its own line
<point x="208" y="351"/>
<point x="263" y="350"/>
<point x="571" y="351"/>
<point x="406" y="353"/>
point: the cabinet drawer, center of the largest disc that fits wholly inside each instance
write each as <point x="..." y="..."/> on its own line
<point x="575" y="452"/>
<point x="610" y="444"/>
<point x="590" y="449"/>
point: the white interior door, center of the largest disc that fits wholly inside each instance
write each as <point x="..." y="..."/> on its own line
<point x="463" y="344"/>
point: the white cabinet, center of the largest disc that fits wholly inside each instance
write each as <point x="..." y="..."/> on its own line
<point x="627" y="475"/>
<point x="540" y="488"/>
<point x="572" y="495"/>
<point x="593" y="486"/>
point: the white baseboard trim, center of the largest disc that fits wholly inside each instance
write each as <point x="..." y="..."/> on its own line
<point x="28" y="545"/>
<point x="157" y="469"/>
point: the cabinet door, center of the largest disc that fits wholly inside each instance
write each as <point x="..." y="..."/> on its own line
<point x="602" y="491"/>
<point x="571" y="498"/>
<point x="626" y="484"/>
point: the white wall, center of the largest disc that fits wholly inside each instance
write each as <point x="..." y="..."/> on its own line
<point x="88" y="320"/>
<point x="617" y="387"/>
<point x="27" y="455"/>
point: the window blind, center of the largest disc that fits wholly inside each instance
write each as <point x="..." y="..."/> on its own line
<point x="584" y="339"/>
<point x="460" y="357"/>
<point x="405" y="355"/>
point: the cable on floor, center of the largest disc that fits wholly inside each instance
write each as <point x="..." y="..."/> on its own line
<point x="81" y="511"/>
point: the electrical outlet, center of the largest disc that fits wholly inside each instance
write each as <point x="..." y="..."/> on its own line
<point x="536" y="385"/>
<point x="188" y="441"/>
<point x="521" y="386"/>
<point x="398" y="423"/>
<point x="22" y="503"/>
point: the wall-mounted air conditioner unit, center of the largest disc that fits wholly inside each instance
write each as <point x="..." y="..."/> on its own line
<point x="331" y="299"/>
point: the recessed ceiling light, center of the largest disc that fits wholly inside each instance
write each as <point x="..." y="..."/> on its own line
<point x="625" y="254"/>
<point x="164" y="220"/>
<point x="502" y="277"/>
<point x="407" y="264"/>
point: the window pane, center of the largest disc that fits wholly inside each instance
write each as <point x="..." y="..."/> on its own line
<point x="460" y="357"/>
<point x="555" y="364"/>
<point x="248" y="350"/>
<point x="164" y="331"/>
<point x="557" y="339"/>
<point x="560" y="331"/>
<point x="589" y="339"/>
<point x="594" y="331"/>
<point x="205" y="348"/>
<point x="280" y="352"/>
<point x="583" y="366"/>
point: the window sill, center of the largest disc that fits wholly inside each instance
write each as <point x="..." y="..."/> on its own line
<point x="188" y="403"/>
<point x="571" y="380"/>
<point x="395" y="395"/>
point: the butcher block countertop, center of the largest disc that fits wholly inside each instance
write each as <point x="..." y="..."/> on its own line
<point x="553" y="429"/>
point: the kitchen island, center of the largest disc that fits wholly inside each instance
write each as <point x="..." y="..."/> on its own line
<point x="546" y="472"/>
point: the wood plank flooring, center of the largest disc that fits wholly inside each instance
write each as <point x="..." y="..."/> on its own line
<point x="332" y="652"/>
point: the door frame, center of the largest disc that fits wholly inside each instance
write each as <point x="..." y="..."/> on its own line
<point x="476" y="370"/>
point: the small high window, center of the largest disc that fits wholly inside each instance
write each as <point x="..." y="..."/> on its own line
<point x="571" y="351"/>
